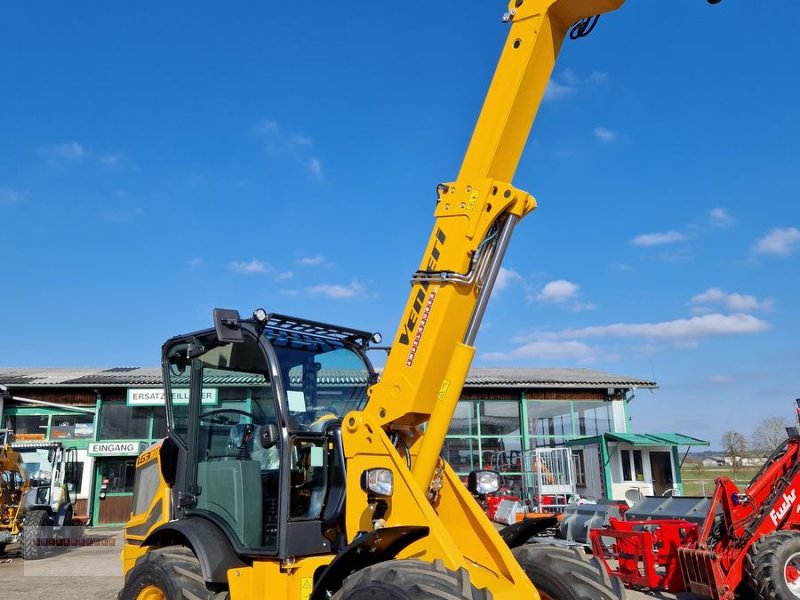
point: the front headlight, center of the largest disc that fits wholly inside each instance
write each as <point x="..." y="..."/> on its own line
<point x="379" y="482"/>
<point x="483" y="482"/>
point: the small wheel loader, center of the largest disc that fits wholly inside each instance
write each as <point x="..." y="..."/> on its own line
<point x="289" y="471"/>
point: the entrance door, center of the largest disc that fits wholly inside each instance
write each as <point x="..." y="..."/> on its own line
<point x="661" y="468"/>
<point x="114" y="490"/>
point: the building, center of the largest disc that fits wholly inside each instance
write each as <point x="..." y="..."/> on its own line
<point x="111" y="415"/>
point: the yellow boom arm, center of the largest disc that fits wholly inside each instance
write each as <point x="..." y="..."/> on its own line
<point x="475" y="215"/>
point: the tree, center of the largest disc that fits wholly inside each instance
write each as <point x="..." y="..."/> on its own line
<point x="734" y="447"/>
<point x="769" y="434"/>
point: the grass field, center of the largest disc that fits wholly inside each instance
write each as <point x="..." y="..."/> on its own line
<point x="699" y="481"/>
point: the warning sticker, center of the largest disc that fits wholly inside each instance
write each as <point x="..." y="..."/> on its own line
<point x="420" y="329"/>
<point x="306" y="587"/>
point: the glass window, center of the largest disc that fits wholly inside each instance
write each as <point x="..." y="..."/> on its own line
<point x="593" y="418"/>
<point x="465" y="419"/>
<point x="118" y="475"/>
<point x="638" y="467"/>
<point x="625" y="458"/>
<point x="29" y="427"/>
<point x="228" y="446"/>
<point x="72" y="427"/>
<point x="548" y="418"/>
<point x="499" y="418"/>
<point x="462" y="454"/>
<point x="321" y="382"/>
<point x="501" y="453"/>
<point x="159" y="423"/>
<point x="121" y="422"/>
<point x="579" y="466"/>
<point x="74" y="476"/>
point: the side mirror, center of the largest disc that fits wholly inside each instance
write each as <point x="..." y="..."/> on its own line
<point x="270" y="434"/>
<point x="226" y="323"/>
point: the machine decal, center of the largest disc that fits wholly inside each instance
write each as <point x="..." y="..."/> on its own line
<point x="776" y="514"/>
<point x="443" y="390"/>
<point x="306" y="588"/>
<point x="420" y="328"/>
<point x="410" y="323"/>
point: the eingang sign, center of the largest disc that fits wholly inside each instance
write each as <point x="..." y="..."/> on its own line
<point x="157" y="396"/>
<point x="116" y="448"/>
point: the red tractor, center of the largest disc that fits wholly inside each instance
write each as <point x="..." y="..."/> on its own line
<point x="748" y="545"/>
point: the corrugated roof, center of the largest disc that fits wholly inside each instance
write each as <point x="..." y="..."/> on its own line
<point x="479" y="377"/>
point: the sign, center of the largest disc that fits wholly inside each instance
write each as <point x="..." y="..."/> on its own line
<point x="116" y="448"/>
<point x="157" y="396"/>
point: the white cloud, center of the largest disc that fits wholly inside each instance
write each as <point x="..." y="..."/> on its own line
<point x="277" y="141"/>
<point x="9" y="196"/>
<point x="781" y="241"/>
<point x="733" y="302"/>
<point x="556" y="91"/>
<point x="605" y="135"/>
<point x="336" y="291"/>
<point x="284" y="276"/>
<point x="249" y="267"/>
<point x="582" y="306"/>
<point x="719" y="217"/>
<point x="315" y="167"/>
<point x="111" y="160"/>
<point x="68" y="151"/>
<point x="646" y="240"/>
<point x="679" y="331"/>
<point x="598" y="77"/>
<point x="63" y="154"/>
<point x="543" y="350"/>
<point x="506" y="278"/>
<point x="558" y="291"/>
<point x="721" y="379"/>
<point x="195" y="263"/>
<point x="311" y="261"/>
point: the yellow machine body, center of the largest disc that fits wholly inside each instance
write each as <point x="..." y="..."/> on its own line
<point x="431" y="351"/>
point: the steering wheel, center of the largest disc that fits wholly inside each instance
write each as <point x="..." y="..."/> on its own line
<point x="216" y="411"/>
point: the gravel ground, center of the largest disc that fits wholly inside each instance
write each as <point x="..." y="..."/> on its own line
<point x="95" y="573"/>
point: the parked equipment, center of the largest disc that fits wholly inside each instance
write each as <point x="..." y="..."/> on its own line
<point x="289" y="471"/>
<point x="48" y="502"/>
<point x="749" y="541"/>
<point x="14" y="484"/>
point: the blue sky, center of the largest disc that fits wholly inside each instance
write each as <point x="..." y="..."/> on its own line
<point x="159" y="161"/>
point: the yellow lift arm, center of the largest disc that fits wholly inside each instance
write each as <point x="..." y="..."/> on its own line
<point x="475" y="216"/>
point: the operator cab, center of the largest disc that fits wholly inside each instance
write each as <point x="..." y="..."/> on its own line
<point x="254" y="409"/>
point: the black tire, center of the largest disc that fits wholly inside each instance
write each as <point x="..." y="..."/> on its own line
<point x="174" y="571"/>
<point x="35" y="534"/>
<point x="3" y="548"/>
<point x="765" y="567"/>
<point x="566" y="573"/>
<point x="409" y="579"/>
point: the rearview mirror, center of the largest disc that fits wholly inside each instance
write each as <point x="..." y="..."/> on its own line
<point x="270" y="434"/>
<point x="226" y="323"/>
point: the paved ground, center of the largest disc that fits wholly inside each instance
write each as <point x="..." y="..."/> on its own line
<point x="95" y="573"/>
<point x="84" y="573"/>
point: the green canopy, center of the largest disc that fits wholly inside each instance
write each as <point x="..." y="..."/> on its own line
<point x="641" y="439"/>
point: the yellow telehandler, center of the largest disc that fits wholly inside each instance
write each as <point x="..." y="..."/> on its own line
<point x="290" y="472"/>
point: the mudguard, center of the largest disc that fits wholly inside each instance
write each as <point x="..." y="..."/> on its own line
<point x="210" y="545"/>
<point x="368" y="549"/>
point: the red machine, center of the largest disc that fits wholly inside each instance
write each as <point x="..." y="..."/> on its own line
<point x="749" y="539"/>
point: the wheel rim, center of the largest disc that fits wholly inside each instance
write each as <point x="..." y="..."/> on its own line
<point x="151" y="592"/>
<point x="791" y="573"/>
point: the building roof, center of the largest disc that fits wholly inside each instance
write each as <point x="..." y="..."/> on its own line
<point x="478" y="377"/>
